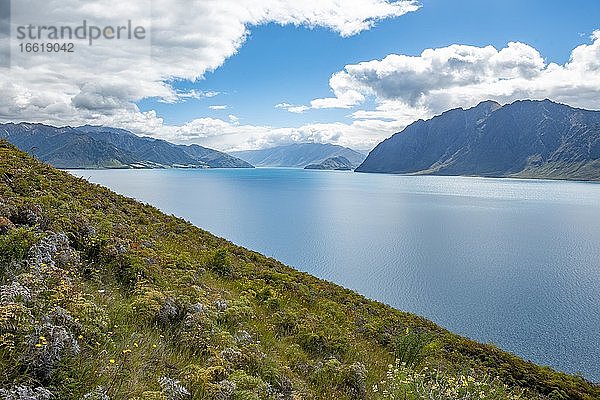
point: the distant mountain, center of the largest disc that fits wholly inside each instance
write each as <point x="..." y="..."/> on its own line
<point x="528" y="139"/>
<point x="104" y="147"/>
<point x="298" y="155"/>
<point x="339" y="163"/>
<point x="163" y="152"/>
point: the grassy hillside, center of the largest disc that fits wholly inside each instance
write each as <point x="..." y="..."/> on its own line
<point x="103" y="297"/>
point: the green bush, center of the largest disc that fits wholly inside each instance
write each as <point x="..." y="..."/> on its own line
<point x="349" y="379"/>
<point x="412" y="349"/>
<point x="220" y="262"/>
<point x="14" y="246"/>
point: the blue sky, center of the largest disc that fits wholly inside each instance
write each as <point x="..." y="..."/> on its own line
<point x="293" y="64"/>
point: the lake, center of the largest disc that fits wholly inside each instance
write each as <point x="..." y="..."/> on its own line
<point x="510" y="262"/>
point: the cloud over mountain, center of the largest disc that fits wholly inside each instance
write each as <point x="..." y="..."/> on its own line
<point x="460" y="75"/>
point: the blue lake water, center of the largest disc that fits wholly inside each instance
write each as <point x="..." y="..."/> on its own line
<point x="511" y="262"/>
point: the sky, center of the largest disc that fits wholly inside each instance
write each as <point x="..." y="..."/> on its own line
<point x="235" y="74"/>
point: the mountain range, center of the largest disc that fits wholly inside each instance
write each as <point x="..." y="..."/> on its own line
<point x="526" y="139"/>
<point x="298" y="155"/>
<point x="104" y="147"/>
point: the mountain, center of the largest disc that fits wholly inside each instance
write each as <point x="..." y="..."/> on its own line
<point x="104" y="147"/>
<point x="163" y="152"/>
<point x="65" y="146"/>
<point x="339" y="163"/>
<point x="103" y="297"/>
<point x="526" y="139"/>
<point x="298" y="155"/>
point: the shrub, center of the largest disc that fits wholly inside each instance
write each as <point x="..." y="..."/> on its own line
<point x="247" y="386"/>
<point x="224" y="390"/>
<point x="413" y="348"/>
<point x="99" y="393"/>
<point x="25" y="393"/>
<point x="14" y="293"/>
<point x="148" y="304"/>
<point x="5" y="225"/>
<point x="130" y="270"/>
<point x="322" y="344"/>
<point x="53" y="250"/>
<point x="31" y="215"/>
<point x="285" y="323"/>
<point x="197" y="333"/>
<point x="14" y="246"/>
<point x="404" y="383"/>
<point x="220" y="262"/>
<point x="170" y="313"/>
<point x="201" y="377"/>
<point x="354" y="378"/>
<point x="172" y="389"/>
<point x="47" y="346"/>
<point x="236" y="313"/>
<point x="350" y="379"/>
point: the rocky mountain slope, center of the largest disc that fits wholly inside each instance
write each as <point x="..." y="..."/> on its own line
<point x="528" y="139"/>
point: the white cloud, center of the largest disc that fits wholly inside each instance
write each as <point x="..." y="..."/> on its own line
<point x="346" y="92"/>
<point x="297" y="109"/>
<point x="231" y="135"/>
<point x="218" y="107"/>
<point x="101" y="83"/>
<point x="180" y="96"/>
<point x="408" y="88"/>
<point x="461" y="76"/>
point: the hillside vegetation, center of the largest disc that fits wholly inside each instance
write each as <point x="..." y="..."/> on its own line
<point x="102" y="297"/>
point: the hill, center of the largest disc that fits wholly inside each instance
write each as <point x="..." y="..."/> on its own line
<point x="298" y="155"/>
<point x="339" y="163"/>
<point x="104" y="147"/>
<point x="525" y="139"/>
<point x="102" y="297"/>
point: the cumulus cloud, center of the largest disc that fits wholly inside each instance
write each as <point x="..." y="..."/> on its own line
<point x="461" y="76"/>
<point x="101" y="83"/>
<point x="231" y="135"/>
